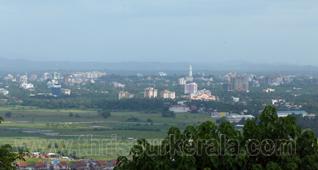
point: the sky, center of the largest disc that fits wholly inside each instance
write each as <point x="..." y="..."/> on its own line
<point x="259" y="31"/>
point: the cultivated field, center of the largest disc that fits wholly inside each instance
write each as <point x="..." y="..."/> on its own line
<point x="85" y="133"/>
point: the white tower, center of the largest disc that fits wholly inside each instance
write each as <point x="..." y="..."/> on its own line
<point x="190" y="70"/>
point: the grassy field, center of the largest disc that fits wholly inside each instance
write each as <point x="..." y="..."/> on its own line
<point x="85" y="132"/>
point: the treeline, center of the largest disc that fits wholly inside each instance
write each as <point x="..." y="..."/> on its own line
<point x="225" y="107"/>
<point x="149" y="105"/>
<point x="137" y="104"/>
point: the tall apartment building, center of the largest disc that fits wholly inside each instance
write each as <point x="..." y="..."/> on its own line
<point x="166" y="94"/>
<point x="239" y="84"/>
<point x="182" y="81"/>
<point x="150" y="92"/>
<point x="190" y="88"/>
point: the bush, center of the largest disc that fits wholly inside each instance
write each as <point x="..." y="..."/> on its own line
<point x="104" y="113"/>
<point x="8" y="114"/>
<point x="168" y="114"/>
<point x="70" y="114"/>
<point x="133" y="119"/>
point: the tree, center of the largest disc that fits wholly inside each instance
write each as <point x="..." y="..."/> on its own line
<point x="8" y="114"/>
<point x="168" y="114"/>
<point x="70" y="114"/>
<point x="7" y="156"/>
<point x="265" y="143"/>
<point x="104" y="113"/>
<point x="150" y="121"/>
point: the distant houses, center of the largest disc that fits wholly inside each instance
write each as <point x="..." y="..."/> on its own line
<point x="125" y="95"/>
<point x="166" y="94"/>
<point x="204" y="95"/>
<point x="66" y="165"/>
<point x="179" y="108"/>
<point x="231" y="117"/>
<point x="292" y="112"/>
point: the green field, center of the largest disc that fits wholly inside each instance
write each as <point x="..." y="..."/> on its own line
<point x="85" y="132"/>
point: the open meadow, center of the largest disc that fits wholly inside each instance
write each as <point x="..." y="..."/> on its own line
<point x="85" y="133"/>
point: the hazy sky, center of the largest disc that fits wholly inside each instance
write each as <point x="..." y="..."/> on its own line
<point x="160" y="30"/>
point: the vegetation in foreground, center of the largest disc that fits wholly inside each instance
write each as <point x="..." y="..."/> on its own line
<point x="7" y="156"/>
<point x="267" y="142"/>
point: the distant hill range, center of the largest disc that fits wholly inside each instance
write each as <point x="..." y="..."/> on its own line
<point x="20" y="65"/>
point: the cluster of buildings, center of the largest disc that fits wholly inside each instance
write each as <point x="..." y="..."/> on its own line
<point x="238" y="118"/>
<point x="23" y="80"/>
<point x="55" y="81"/>
<point x="118" y="85"/>
<point x="166" y="94"/>
<point x="191" y="89"/>
<point x="125" y="95"/>
<point x="241" y="83"/>
<point x="238" y="83"/>
<point x="4" y="92"/>
<point x="279" y="102"/>
<point x="231" y="117"/>
<point x="151" y="92"/>
<point x="58" y="162"/>
<point x="66" y="165"/>
<point x="203" y="95"/>
<point x="55" y="86"/>
<point x="83" y="77"/>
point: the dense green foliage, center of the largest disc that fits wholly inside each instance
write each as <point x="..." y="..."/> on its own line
<point x="113" y="105"/>
<point x="104" y="113"/>
<point x="7" y="156"/>
<point x="267" y="142"/>
<point x="167" y="113"/>
<point x="310" y="123"/>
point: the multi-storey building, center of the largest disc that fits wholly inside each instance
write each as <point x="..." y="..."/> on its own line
<point x="190" y="88"/>
<point x="166" y="94"/>
<point x="150" y="92"/>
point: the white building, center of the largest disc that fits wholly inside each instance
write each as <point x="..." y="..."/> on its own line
<point x="182" y="81"/>
<point x="278" y="101"/>
<point x="118" y="85"/>
<point x="124" y="95"/>
<point x="9" y="77"/>
<point x="150" y="92"/>
<point x="191" y="88"/>
<point x="47" y="76"/>
<point x="23" y="79"/>
<point x="179" y="109"/>
<point x="269" y="90"/>
<point x="67" y="92"/>
<point x="166" y="94"/>
<point x="27" y="86"/>
<point x="4" y="92"/>
<point x="235" y="99"/>
<point x="235" y="118"/>
<point x="204" y="95"/>
<point x="162" y="74"/>
<point x="292" y="112"/>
